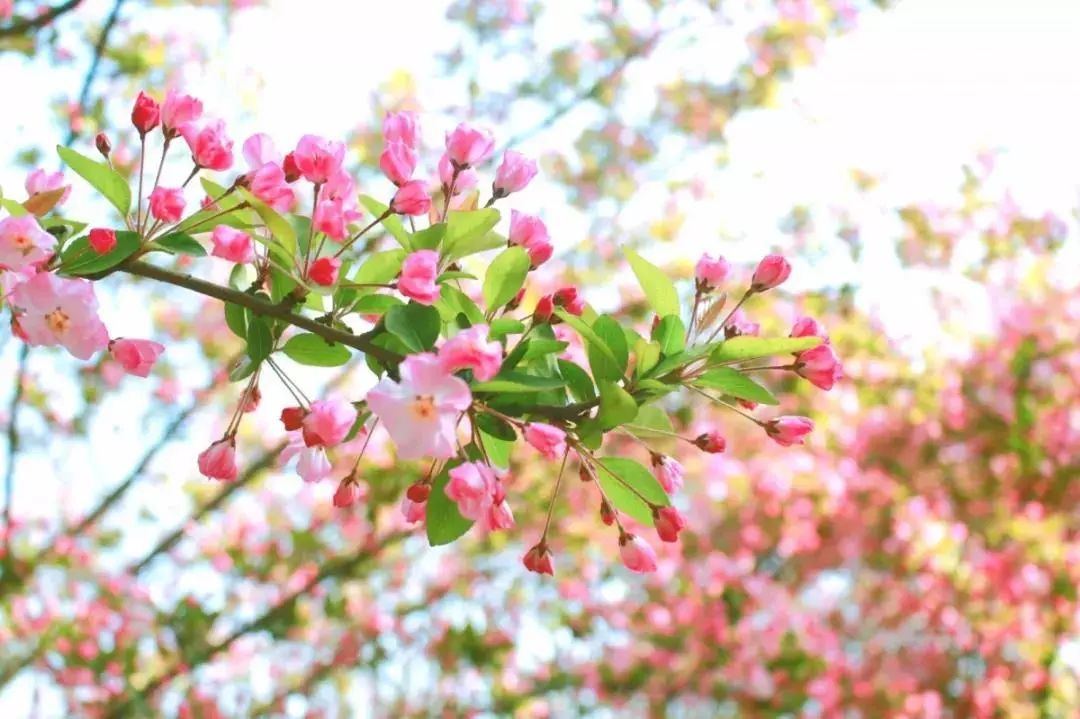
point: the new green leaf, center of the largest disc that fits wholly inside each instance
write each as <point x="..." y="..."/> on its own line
<point x="658" y="287"/>
<point x="103" y="178"/>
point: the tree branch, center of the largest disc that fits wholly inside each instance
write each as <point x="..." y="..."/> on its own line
<point x="95" y="62"/>
<point x="12" y="451"/>
<point x="33" y="23"/>
<point x="260" y="307"/>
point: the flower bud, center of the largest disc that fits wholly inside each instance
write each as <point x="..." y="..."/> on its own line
<point x="668" y="523"/>
<point x="293" y="418"/>
<point x="101" y="142"/>
<point x="418" y="492"/>
<point x="538" y="559"/>
<point x="347" y="493"/>
<point x="711" y="441"/>
<point x="102" y="241"/>
<point x="544" y="309"/>
<point x="770" y="272"/>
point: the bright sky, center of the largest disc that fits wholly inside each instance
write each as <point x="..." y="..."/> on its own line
<point x="910" y="96"/>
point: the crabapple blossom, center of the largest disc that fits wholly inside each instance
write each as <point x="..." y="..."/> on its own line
<point x="41" y="181"/>
<point x="636" y="554"/>
<point x="538" y="559"/>
<point x="23" y="244"/>
<point x="513" y="174"/>
<point x="548" y="440"/>
<point x="668" y="472"/>
<point x="470" y="349"/>
<point x="101" y="240"/>
<point x="167" y="204"/>
<point x="313" y="464"/>
<point x="418" y="275"/>
<point x="466" y="179"/>
<point x="711" y="272"/>
<point x="218" y="461"/>
<point x="210" y="147"/>
<point x="58" y="311"/>
<point x="411" y="199"/>
<point x="137" y="357"/>
<point x="403" y="127"/>
<point x="787" y="431"/>
<point x="398" y="162"/>
<point x="347" y="493"/>
<point x="178" y="111"/>
<point x="771" y="272"/>
<point x="809" y="327"/>
<point x="324" y="271"/>
<point x="468" y="145"/>
<point x="531" y="233"/>
<point x="820" y="366"/>
<point x="668" y="523"/>
<point x="712" y="441"/>
<point x="146" y="114"/>
<point x="232" y="244"/>
<point x="318" y="159"/>
<point x="328" y="421"/>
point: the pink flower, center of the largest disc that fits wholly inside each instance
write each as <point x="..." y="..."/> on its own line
<point x="413" y="511"/>
<point x="710" y="273"/>
<point x="328" y="421"/>
<point x="411" y="199"/>
<point x="346" y="494"/>
<point x="23" y="244"/>
<point x="318" y="159"/>
<point x="466" y="179"/>
<point x="500" y="516"/>
<point x="809" y="327"/>
<point x="268" y="184"/>
<point x="531" y="233"/>
<point x="313" y="464"/>
<point x="422" y="411"/>
<point x="820" y="365"/>
<point x="711" y="441"/>
<point x="403" y="127"/>
<point x="538" y="559"/>
<point x="569" y="299"/>
<point x="41" y="181"/>
<point x="178" y="111"/>
<point x="470" y="349"/>
<point x="514" y="174"/>
<point x="259" y="150"/>
<point x="398" y="162"/>
<point x="232" y="245"/>
<point x="59" y="311"/>
<point x="324" y="271"/>
<point x="167" y="204"/>
<point x="545" y="307"/>
<point x="418" y="275"/>
<point x="770" y="272"/>
<point x="668" y="523"/>
<point x="740" y="325"/>
<point x="549" y="441"/>
<point x="468" y="145"/>
<point x="137" y="357"/>
<point x="787" y="431"/>
<point x="218" y="461"/>
<point x="329" y="218"/>
<point x="102" y="241"/>
<point x="210" y="147"/>
<point x="292" y="418"/>
<point x="472" y="486"/>
<point x="146" y="114"/>
<point x="668" y="472"/>
<point x="7" y="9"/>
<point x="636" y="554"/>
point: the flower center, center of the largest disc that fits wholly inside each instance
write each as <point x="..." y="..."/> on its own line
<point x="58" y="321"/>
<point x="424" y="407"/>
<point x="23" y="244"/>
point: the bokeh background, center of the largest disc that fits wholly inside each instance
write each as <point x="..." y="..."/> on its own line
<point x="918" y="558"/>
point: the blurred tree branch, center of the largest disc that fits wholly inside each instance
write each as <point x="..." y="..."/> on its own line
<point x="41" y="20"/>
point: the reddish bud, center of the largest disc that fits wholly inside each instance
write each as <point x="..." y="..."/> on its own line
<point x="324" y="271"/>
<point x="293" y="418"/>
<point x="102" y="240"/>
<point x="538" y="559"/>
<point x="568" y="299"/>
<point x="585" y="474"/>
<point x="252" y="402"/>
<point x="418" y="492"/>
<point x="668" y="523"/>
<point x="146" y="115"/>
<point x="289" y="166"/>
<point x="544" y="309"/>
<point x="101" y="141"/>
<point x="712" y="442"/>
<point x="347" y="493"/>
<point x="607" y="514"/>
<point x="772" y="271"/>
<point x="516" y="302"/>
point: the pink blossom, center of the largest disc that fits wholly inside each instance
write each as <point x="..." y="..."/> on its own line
<point x="403" y="127"/>
<point x="421" y="412"/>
<point x="41" y="181"/>
<point x="329" y="218"/>
<point x="548" y="440"/>
<point x="538" y="559"/>
<point x="411" y="199"/>
<point x="324" y="271"/>
<point x="531" y="233"/>
<point x="513" y="174"/>
<point x="23" y="244"/>
<point x="178" y="111"/>
<point x="218" y="461"/>
<point x="500" y="516"/>
<point x="637" y="554"/>
<point x="413" y="511"/>
<point x="787" y="430"/>
<point x="466" y="179"/>
<point x="808" y="327"/>
<point x="137" y="357"/>
<point x="770" y="272"/>
<point x="418" y="275"/>
<point x="167" y="204"/>
<point x="146" y="114"/>
<point x="668" y="472"/>
<point x="259" y="150"/>
<point x="347" y="493"/>
<point x="712" y="441"/>
<point x="570" y="300"/>
<point x="820" y="365"/>
<point x="210" y="147"/>
<point x="232" y="244"/>
<point x="268" y="184"/>
<point x="398" y="162"/>
<point x="101" y="241"/>
<point x="668" y="523"/>
<point x="472" y="486"/>
<point x="59" y="311"/>
<point x="318" y="159"/>
<point x="710" y="273"/>
<point x="7" y="9"/>
<point x="470" y="349"/>
<point x="313" y="464"/>
<point x="328" y="421"/>
<point x="468" y="145"/>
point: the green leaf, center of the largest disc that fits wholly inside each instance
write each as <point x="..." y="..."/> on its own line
<point x="651" y="421"/>
<point x="80" y="259"/>
<point x="591" y="339"/>
<point x="616" y="405"/>
<point x="540" y="347"/>
<point x="518" y="382"/>
<point x="581" y="385"/>
<point x="236" y="319"/>
<point x="496" y="427"/>
<point x="453" y="302"/>
<point x="670" y="333"/>
<point x="259" y="340"/>
<point x="658" y="287"/>
<point x="640" y="480"/>
<point x="15" y="209"/>
<point x="505" y="326"/>
<point x="467" y="230"/>
<point x="735" y="383"/>
<point x="181" y="244"/>
<point x="103" y="178"/>
<point x="444" y="522"/>
<point x="242" y="369"/>
<point x="647" y="354"/>
<point x="738" y="349"/>
<point x="279" y="227"/>
<point x="609" y="363"/>
<point x="376" y="304"/>
<point x="379" y="268"/>
<point x="428" y="238"/>
<point x="681" y="359"/>
<point x="417" y="326"/>
<point x="392" y="223"/>
<point x="505" y="276"/>
<point x="310" y="349"/>
<point x="454" y="275"/>
<point x="498" y="449"/>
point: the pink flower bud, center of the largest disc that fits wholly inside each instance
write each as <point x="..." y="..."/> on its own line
<point x="293" y="418"/>
<point x="636" y="554"/>
<point x="40" y="181"/>
<point x="531" y="233"/>
<point x="770" y="272"/>
<point x="101" y="142"/>
<point x="545" y="307"/>
<point x="569" y="299"/>
<point x="500" y="516"/>
<point x="398" y="162"/>
<point x="317" y="158"/>
<point x="418" y="275"/>
<point x="820" y="365"/>
<point x="513" y="174"/>
<point x="548" y="440"/>
<point x="146" y="114"/>
<point x="413" y="511"/>
<point x="403" y="127"/>
<point x="468" y="145"/>
<point x="232" y="245"/>
<point x="710" y="273"/>
<point x="538" y="559"/>
<point x="668" y="472"/>
<point x="787" y="430"/>
<point x="347" y="493"/>
<point x="137" y="357"/>
<point x="218" y="461"/>
<point x="668" y="523"/>
<point x="102" y="241"/>
<point x="177" y="111"/>
<point x="471" y="349"/>
<point x="328" y="421"/>
<point x="808" y="327"/>
<point x="324" y="271"/>
<point x="712" y="442"/>
<point x="411" y="199"/>
<point x="167" y="204"/>
<point x="210" y="147"/>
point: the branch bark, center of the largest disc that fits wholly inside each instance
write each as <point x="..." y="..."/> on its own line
<point x="33" y="23"/>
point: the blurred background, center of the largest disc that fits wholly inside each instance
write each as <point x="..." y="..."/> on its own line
<point x="918" y="558"/>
